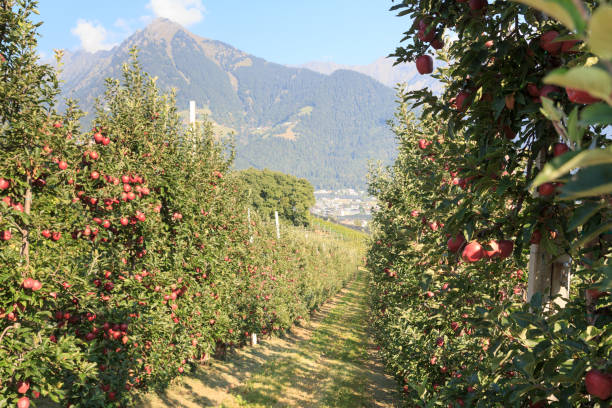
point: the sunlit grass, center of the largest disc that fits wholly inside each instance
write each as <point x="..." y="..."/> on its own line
<point x="325" y="371"/>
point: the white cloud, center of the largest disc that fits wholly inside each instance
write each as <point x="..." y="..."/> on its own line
<point x="123" y="24"/>
<point x="93" y="36"/>
<point x="184" y="12"/>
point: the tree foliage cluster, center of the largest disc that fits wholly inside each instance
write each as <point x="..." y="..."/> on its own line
<point x="268" y="191"/>
<point x="497" y="192"/>
<point x="116" y="273"/>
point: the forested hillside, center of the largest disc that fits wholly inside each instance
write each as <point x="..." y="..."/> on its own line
<point x="321" y="127"/>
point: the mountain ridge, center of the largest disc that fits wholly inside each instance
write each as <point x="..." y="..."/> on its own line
<point x="321" y="127"/>
<point x="383" y="70"/>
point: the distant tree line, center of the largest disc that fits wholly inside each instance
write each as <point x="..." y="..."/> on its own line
<point x="270" y="191"/>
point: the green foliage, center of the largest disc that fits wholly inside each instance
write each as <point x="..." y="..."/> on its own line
<point x="126" y="254"/>
<point x="270" y="191"/>
<point x="457" y="332"/>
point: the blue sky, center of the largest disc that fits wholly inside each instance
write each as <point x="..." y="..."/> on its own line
<point x="283" y="31"/>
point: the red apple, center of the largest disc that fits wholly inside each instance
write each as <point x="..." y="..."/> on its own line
<point x="568" y="46"/>
<point x="473" y="252"/>
<point x="595" y="294"/>
<point x="36" y="286"/>
<point x="94" y="175"/>
<point x="426" y="34"/>
<point x="23" y="402"/>
<point x="424" y="64"/>
<point x="440" y="341"/>
<point x="27" y="283"/>
<point x="533" y="90"/>
<point x="546" y="89"/>
<point x="505" y="248"/>
<point x="548" y="43"/>
<point x="437" y="43"/>
<point x="461" y="102"/>
<point x="455" y="243"/>
<point x="4" y="184"/>
<point x="559" y="149"/>
<point x="46" y="233"/>
<point x="423" y="143"/>
<point x="5" y="235"/>
<point x="94" y="155"/>
<point x="476" y="5"/>
<point x="98" y="137"/>
<point x="508" y="132"/>
<point x="547" y="189"/>
<point x="494" y="251"/>
<point x="598" y="384"/>
<point x="62" y="165"/>
<point x="578" y="96"/>
<point x="424" y="23"/>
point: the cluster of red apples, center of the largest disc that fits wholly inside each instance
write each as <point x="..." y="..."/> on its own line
<point x="474" y="251"/>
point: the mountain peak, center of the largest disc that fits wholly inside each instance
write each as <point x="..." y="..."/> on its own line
<point x="162" y="28"/>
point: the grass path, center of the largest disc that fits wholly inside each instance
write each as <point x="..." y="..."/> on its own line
<point x="330" y="363"/>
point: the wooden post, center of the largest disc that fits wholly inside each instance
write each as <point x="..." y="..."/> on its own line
<point x="547" y="276"/>
<point x="277" y="226"/>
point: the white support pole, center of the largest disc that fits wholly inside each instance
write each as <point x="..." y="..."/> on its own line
<point x="249" y="218"/>
<point x="277" y="227"/>
<point x="253" y="339"/>
<point x="192" y="112"/>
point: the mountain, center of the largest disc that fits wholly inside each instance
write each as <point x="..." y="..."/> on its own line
<point x="383" y="71"/>
<point x="320" y="127"/>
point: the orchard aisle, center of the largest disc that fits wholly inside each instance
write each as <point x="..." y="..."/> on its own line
<point x="330" y="363"/>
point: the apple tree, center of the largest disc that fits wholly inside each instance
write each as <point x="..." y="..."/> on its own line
<point x="499" y="65"/>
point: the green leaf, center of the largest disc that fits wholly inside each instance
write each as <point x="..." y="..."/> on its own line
<point x="600" y="35"/>
<point x="590" y="236"/>
<point x="561" y="165"/>
<point x="550" y="111"/>
<point x="596" y="114"/>
<point x="593" y="80"/>
<point x="588" y="182"/>
<point x="563" y="10"/>
<point x="574" y="131"/>
<point x="582" y="214"/>
<point x="536" y="300"/>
